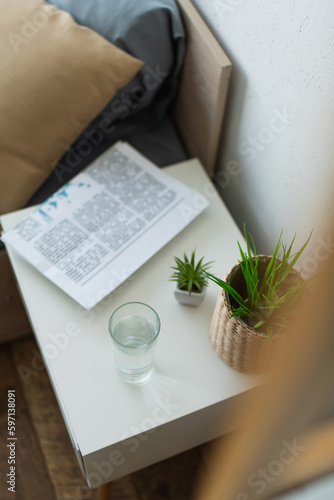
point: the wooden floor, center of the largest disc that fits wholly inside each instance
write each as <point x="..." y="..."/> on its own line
<point x="47" y="468"/>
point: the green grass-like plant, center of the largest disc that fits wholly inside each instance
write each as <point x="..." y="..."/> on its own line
<point x="280" y="286"/>
<point x="189" y="275"/>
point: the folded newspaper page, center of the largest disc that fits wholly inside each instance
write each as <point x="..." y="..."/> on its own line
<point x="98" y="229"/>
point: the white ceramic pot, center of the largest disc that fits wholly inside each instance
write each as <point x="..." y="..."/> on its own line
<point x="192" y="299"/>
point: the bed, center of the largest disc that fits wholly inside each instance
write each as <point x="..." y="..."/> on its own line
<point x="190" y="128"/>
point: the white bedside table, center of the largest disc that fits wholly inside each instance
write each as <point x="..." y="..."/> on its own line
<point x="117" y="428"/>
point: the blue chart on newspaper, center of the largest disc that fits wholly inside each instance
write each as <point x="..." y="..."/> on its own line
<point x="105" y="223"/>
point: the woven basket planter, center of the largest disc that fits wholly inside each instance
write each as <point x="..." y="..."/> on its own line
<point x="241" y="347"/>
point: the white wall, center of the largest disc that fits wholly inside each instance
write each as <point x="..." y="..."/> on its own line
<point x="276" y="162"/>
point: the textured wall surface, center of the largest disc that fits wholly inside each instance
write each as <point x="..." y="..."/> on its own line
<point x="276" y="165"/>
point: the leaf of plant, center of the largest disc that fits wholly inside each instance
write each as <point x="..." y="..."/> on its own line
<point x="259" y="323"/>
<point x="228" y="288"/>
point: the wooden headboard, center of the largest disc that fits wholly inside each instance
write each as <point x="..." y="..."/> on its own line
<point x="200" y="102"/>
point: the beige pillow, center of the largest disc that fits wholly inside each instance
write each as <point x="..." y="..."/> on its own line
<point x="55" y="77"/>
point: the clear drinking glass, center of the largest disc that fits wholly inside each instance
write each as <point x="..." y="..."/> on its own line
<point x="134" y="328"/>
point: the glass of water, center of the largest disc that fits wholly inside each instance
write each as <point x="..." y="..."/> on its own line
<point x="134" y="328"/>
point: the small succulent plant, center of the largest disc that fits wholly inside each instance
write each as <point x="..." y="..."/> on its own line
<point x="189" y="275"/>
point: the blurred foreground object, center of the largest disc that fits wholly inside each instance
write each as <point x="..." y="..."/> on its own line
<point x="287" y="426"/>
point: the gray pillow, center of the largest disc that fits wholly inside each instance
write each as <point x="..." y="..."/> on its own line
<point x="151" y="30"/>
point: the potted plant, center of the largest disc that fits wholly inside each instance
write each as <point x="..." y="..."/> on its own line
<point x="248" y="321"/>
<point x="191" y="280"/>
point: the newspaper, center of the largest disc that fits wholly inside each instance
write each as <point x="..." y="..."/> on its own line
<point x="98" y="229"/>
